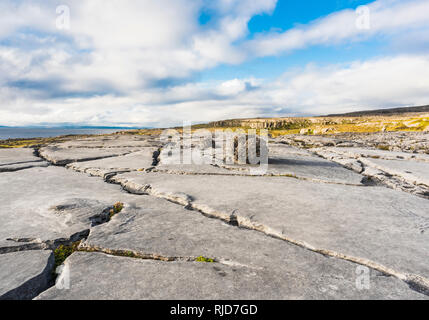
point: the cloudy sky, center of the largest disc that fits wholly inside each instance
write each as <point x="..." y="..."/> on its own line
<point x="159" y="63"/>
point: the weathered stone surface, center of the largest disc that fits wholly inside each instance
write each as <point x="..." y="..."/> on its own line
<point x="42" y="204"/>
<point x="282" y="160"/>
<point x="19" y="159"/>
<point x="375" y="154"/>
<point x="23" y="166"/>
<point x="61" y="156"/>
<point x="97" y="147"/>
<point x="111" y="141"/>
<point x="198" y="161"/>
<point x="411" y="142"/>
<point x="398" y="170"/>
<point x="299" y="230"/>
<point x="99" y="276"/>
<point x="140" y="160"/>
<point x="23" y="275"/>
<point x="17" y="155"/>
<point x="411" y="171"/>
<point x="383" y="225"/>
<point x="162" y="229"/>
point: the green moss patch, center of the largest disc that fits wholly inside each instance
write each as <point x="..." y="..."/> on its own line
<point x="204" y="259"/>
<point x="63" y="252"/>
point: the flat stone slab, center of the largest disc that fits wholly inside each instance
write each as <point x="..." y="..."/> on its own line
<point x="399" y="170"/>
<point x="111" y="141"/>
<point x="99" y="276"/>
<point x="17" y="155"/>
<point x="97" y="147"/>
<point x="140" y="160"/>
<point x="376" y="154"/>
<point x="161" y="229"/>
<point x="282" y="160"/>
<point x="386" y="226"/>
<point x="411" y="171"/>
<point x="411" y="142"/>
<point x="198" y="164"/>
<point x="41" y="204"/>
<point x="22" y="166"/>
<point x="63" y="156"/>
<point x="18" y="159"/>
<point x="23" y="275"/>
<point x="301" y="230"/>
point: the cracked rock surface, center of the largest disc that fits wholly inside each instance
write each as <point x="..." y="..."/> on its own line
<point x="45" y="204"/>
<point x="100" y="276"/>
<point x="359" y="221"/>
<point x="325" y="207"/>
<point x="135" y="161"/>
<point x="19" y="159"/>
<point x="23" y="275"/>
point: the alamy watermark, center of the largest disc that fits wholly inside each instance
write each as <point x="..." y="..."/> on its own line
<point x="63" y="17"/>
<point x="63" y="279"/>
<point x="362" y="278"/>
<point x="363" y="18"/>
<point x="221" y="147"/>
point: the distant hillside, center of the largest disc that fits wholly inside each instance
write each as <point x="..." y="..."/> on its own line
<point x="396" y="119"/>
<point x="383" y="112"/>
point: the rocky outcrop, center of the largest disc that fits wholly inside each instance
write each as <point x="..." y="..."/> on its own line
<point x="298" y="229"/>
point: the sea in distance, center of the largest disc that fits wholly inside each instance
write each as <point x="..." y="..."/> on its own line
<point x="25" y="133"/>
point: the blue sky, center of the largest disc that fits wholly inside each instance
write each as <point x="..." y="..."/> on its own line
<point x="159" y="63"/>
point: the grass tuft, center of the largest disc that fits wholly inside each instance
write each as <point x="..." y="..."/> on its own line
<point x="117" y="207"/>
<point x="63" y="252"/>
<point x="204" y="259"/>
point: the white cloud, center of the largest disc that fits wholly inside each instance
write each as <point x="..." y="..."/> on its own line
<point x="126" y="44"/>
<point x="384" y="82"/>
<point x="378" y="83"/>
<point x="110" y="66"/>
<point x="386" y="17"/>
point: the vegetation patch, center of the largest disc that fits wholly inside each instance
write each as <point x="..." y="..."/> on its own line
<point x="383" y="147"/>
<point x="63" y="252"/>
<point x="117" y="207"/>
<point x="204" y="259"/>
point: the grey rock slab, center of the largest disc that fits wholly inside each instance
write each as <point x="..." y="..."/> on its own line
<point x="383" y="225"/>
<point x="197" y="161"/>
<point x="411" y="171"/>
<point x="22" y="166"/>
<point x="17" y="155"/>
<point x="285" y="159"/>
<point x="159" y="228"/>
<point x="139" y="160"/>
<point x="23" y="275"/>
<point x="63" y="156"/>
<point x="381" y="154"/>
<point x="99" y="276"/>
<point x="111" y="141"/>
<point x="18" y="159"/>
<point x="42" y="204"/>
<point x="282" y="160"/>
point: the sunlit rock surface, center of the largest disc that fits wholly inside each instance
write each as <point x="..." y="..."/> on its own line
<point x="191" y="226"/>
